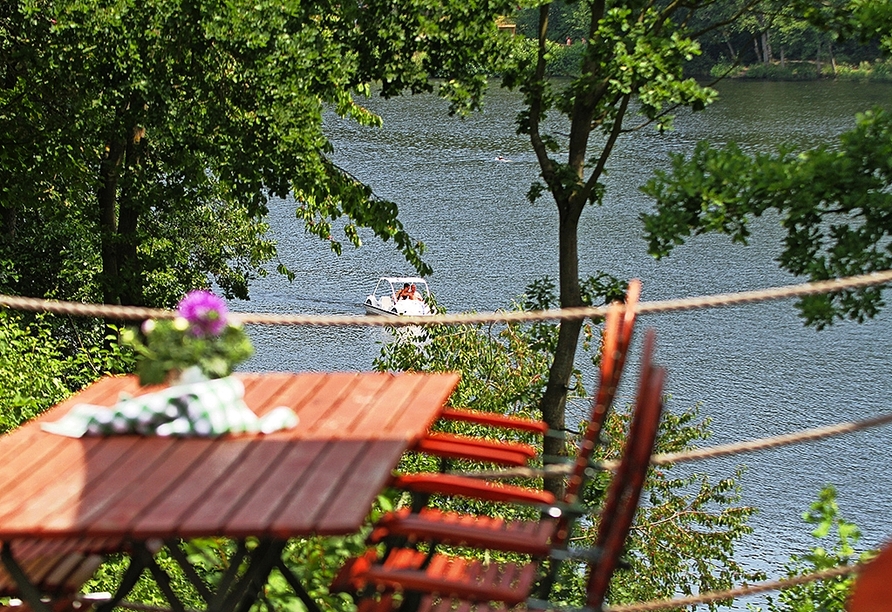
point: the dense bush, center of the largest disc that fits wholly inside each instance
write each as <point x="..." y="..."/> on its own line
<point x="40" y="365"/>
<point x="880" y="71"/>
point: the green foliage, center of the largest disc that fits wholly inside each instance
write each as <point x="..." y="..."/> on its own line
<point x="776" y="72"/>
<point x="566" y="20"/>
<point x="143" y="141"/>
<point x="826" y="595"/>
<point x="834" y="202"/>
<point x="562" y="60"/>
<point x="38" y="368"/>
<point x="879" y="71"/>
<point x="171" y="346"/>
<point x="401" y="44"/>
<point x="31" y="371"/>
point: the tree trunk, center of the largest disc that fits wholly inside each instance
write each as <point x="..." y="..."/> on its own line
<point x="109" y="172"/>
<point x="570" y="195"/>
<point x="129" y="268"/>
<point x="832" y="58"/>
<point x="554" y="401"/>
<point x="818" y="60"/>
<point x="118" y="219"/>
<point x="766" y="48"/>
<point x="758" y="50"/>
<point x="732" y="53"/>
<point x="783" y="58"/>
<point x="9" y="221"/>
<point x="109" y="277"/>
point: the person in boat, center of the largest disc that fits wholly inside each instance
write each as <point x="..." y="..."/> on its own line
<point x="413" y="293"/>
<point x="405" y="293"/>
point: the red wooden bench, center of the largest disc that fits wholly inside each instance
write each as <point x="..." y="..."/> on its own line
<point x="435" y="580"/>
<point x="536" y="537"/>
<point x="872" y="591"/>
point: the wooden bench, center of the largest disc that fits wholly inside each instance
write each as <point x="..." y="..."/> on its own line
<point x="405" y="578"/>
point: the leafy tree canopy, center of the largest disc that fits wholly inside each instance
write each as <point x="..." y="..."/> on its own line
<point x="631" y="75"/>
<point x="833" y="201"/>
<point x="143" y="141"/>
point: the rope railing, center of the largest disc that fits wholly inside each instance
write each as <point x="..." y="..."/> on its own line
<point x="662" y="306"/>
<point x="741" y="591"/>
<point x="134" y="313"/>
<point x="721" y="450"/>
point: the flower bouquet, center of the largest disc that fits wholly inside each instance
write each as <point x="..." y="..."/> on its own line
<point x="195" y="353"/>
<point x="201" y="342"/>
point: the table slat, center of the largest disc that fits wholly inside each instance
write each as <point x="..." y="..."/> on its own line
<point x="164" y="466"/>
<point x="348" y="505"/>
<point x="226" y="494"/>
<point x="282" y="482"/>
<point x="63" y="494"/>
<point x="190" y="491"/>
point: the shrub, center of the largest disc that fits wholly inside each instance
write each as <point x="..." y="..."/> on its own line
<point x="40" y="365"/>
<point x="775" y="72"/>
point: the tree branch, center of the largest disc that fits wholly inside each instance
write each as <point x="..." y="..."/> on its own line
<point x="608" y="147"/>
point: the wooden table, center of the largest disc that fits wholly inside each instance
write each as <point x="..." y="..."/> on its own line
<point x="320" y="478"/>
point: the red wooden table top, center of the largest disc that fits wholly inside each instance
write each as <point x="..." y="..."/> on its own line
<point x="318" y="478"/>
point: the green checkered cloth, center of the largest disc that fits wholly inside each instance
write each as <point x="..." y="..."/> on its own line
<point x="202" y="409"/>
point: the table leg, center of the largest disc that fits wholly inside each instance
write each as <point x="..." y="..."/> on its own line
<point x="229" y="577"/>
<point x="262" y="560"/>
<point x="29" y="592"/>
<point x="142" y="557"/>
<point x="297" y="587"/>
<point x="179" y="556"/>
<point x="234" y="593"/>
<point x="162" y="579"/>
<point x="131" y="575"/>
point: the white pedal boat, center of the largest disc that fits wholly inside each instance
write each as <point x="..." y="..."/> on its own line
<point x="394" y="296"/>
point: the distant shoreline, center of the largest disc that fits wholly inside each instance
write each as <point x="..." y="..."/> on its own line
<point x="879" y="71"/>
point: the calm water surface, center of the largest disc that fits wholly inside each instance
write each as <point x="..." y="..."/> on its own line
<point x="754" y="370"/>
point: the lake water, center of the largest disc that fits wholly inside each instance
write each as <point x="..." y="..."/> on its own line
<point x="755" y="370"/>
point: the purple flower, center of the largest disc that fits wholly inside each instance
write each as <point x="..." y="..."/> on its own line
<point x="205" y="312"/>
